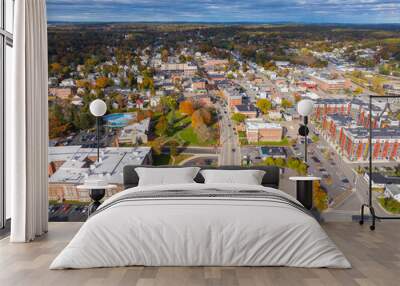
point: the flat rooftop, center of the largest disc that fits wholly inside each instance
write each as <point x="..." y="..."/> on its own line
<point x="377" y="133"/>
<point x="260" y="124"/>
<point x="246" y="108"/>
<point x="272" y="151"/>
<point x="79" y="162"/>
<point x="341" y="120"/>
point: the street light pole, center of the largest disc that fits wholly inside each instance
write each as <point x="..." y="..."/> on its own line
<point x="304" y="108"/>
<point x="98" y="108"/>
<point x="98" y="137"/>
<point x="305" y="138"/>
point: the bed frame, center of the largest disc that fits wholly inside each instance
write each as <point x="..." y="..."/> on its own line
<point x="270" y="179"/>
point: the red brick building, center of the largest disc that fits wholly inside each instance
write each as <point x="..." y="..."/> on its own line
<point x="333" y="125"/>
<point x="328" y="83"/>
<point x="353" y="143"/>
<point x="258" y="130"/>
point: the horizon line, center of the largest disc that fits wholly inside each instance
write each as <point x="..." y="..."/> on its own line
<point x="223" y="22"/>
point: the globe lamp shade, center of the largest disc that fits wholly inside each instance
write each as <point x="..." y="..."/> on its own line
<point x="305" y="107"/>
<point x="98" y="107"/>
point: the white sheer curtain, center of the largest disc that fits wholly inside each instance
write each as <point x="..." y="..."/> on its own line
<point x="27" y="121"/>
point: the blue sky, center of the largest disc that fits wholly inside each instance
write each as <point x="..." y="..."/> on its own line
<point x="308" y="11"/>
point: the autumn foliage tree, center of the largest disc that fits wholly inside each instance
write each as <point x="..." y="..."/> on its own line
<point x="201" y="121"/>
<point x="55" y="68"/>
<point x="238" y="117"/>
<point x="320" y="197"/>
<point x="286" y="103"/>
<point x="264" y="105"/>
<point x="186" y="107"/>
<point x="206" y="115"/>
<point x="102" y="82"/>
<point x="156" y="146"/>
<point x="197" y="119"/>
<point x="82" y="83"/>
<point x="143" y="114"/>
<point x="297" y="97"/>
<point x="162" y="126"/>
<point x="201" y="117"/>
<point x="57" y="124"/>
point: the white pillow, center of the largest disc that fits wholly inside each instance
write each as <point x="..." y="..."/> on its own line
<point x="166" y="176"/>
<point x="248" y="177"/>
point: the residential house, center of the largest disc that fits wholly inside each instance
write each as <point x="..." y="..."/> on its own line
<point x="68" y="82"/>
<point x="393" y="191"/>
<point x="61" y="93"/>
<point x="198" y="83"/>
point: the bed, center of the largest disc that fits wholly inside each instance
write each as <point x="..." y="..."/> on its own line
<point x="201" y="224"/>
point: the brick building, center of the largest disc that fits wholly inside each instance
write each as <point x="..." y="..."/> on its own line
<point x="187" y="69"/>
<point x="232" y="95"/>
<point x="333" y="125"/>
<point x="198" y="83"/>
<point x="328" y="83"/>
<point x="328" y="106"/>
<point x="353" y="142"/>
<point x="258" y="130"/>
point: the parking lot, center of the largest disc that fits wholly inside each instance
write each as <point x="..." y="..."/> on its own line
<point x="88" y="139"/>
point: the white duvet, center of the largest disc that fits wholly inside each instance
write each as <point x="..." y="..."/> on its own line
<point x="202" y="232"/>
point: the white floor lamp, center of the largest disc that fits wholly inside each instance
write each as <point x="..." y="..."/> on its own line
<point x="304" y="108"/>
<point x="98" y="108"/>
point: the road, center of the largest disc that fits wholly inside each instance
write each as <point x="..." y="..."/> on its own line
<point x="193" y="150"/>
<point x="343" y="170"/>
<point x="230" y="148"/>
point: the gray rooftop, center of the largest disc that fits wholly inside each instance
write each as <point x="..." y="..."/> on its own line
<point x="377" y="133"/>
<point x="246" y="108"/>
<point x="341" y="120"/>
<point x="77" y="164"/>
<point x="393" y="188"/>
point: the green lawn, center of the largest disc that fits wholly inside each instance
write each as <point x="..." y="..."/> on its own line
<point x="315" y="138"/>
<point x="189" y="136"/>
<point x="166" y="159"/>
<point x="183" y="132"/>
<point x="242" y="134"/>
<point x="391" y="205"/>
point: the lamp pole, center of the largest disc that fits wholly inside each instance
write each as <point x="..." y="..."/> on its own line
<point x="98" y="137"/>
<point x="305" y="138"/>
<point x="304" y="108"/>
<point x="98" y="108"/>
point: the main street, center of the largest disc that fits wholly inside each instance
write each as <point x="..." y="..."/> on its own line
<point x="230" y="149"/>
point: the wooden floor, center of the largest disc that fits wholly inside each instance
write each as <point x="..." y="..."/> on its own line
<point x="375" y="257"/>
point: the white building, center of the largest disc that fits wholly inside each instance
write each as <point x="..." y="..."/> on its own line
<point x="393" y="191"/>
<point x="68" y="82"/>
<point x="135" y="133"/>
<point x="73" y="164"/>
